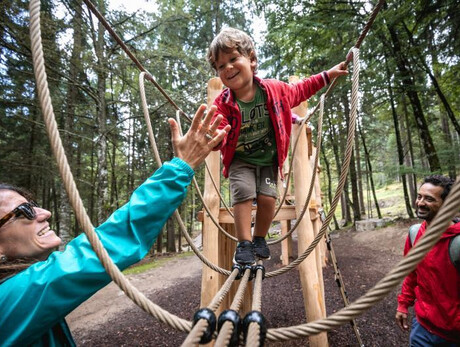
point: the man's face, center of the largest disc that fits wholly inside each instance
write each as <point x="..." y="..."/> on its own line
<point x="428" y="201"/>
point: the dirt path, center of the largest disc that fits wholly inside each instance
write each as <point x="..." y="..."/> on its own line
<point x="110" y="302"/>
<point x="109" y="318"/>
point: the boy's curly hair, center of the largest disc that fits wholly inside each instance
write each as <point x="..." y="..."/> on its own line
<point x="227" y="40"/>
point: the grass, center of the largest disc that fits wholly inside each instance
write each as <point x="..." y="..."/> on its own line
<point x="390" y="199"/>
<point x="157" y="262"/>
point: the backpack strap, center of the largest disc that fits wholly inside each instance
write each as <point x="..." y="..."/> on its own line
<point x="413" y="231"/>
<point x="454" y="251"/>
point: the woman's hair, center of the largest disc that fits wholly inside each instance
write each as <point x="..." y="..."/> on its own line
<point x="227" y="40"/>
<point x="11" y="267"/>
<point x="20" y="191"/>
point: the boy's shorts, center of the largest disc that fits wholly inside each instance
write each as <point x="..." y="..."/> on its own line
<point x="248" y="180"/>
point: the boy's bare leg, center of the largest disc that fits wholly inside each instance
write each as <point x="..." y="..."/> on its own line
<point x="264" y="216"/>
<point x="242" y="212"/>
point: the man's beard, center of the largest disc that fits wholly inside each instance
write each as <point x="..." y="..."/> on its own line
<point x="425" y="214"/>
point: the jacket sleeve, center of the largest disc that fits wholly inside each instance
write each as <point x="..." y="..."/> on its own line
<point x="34" y="300"/>
<point x="407" y="296"/>
<point x="305" y="89"/>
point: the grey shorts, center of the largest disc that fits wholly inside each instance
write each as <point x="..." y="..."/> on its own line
<point x="248" y="180"/>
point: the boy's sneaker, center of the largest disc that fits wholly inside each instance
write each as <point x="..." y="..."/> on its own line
<point x="260" y="246"/>
<point x="244" y="254"/>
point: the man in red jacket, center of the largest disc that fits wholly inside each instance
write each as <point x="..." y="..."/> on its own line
<point x="434" y="286"/>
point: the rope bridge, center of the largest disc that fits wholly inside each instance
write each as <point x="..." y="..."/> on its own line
<point x="229" y="324"/>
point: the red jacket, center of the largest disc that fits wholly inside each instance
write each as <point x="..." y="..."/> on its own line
<point x="434" y="286"/>
<point x="281" y="97"/>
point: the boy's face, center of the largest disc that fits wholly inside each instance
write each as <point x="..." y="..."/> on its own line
<point x="236" y="71"/>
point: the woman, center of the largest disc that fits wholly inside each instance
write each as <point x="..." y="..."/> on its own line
<point x="35" y="301"/>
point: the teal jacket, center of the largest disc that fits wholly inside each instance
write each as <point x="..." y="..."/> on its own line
<point x="34" y="302"/>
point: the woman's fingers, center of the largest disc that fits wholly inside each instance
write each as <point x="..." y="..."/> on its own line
<point x="196" y="121"/>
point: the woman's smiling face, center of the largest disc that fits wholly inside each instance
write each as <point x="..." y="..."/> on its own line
<point x="21" y="237"/>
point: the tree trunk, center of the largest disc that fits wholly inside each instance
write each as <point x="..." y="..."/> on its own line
<point x="343" y="198"/>
<point x="436" y="86"/>
<point x="65" y="211"/>
<point x="359" y="174"/>
<point x="160" y="241"/>
<point x="102" y="174"/>
<point x="398" y="143"/>
<point x="409" y="154"/>
<point x="329" y="185"/>
<point x="369" y="167"/>
<point x="170" y="236"/>
<point x="353" y="178"/>
<point x="411" y="91"/>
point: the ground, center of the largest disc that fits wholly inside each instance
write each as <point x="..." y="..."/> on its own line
<point x="111" y="319"/>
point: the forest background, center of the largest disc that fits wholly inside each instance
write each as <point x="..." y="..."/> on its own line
<point x="408" y="124"/>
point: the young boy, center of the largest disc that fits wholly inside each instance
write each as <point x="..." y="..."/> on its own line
<point x="259" y="113"/>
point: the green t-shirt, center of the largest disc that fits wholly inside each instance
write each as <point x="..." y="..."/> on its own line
<point x="256" y="142"/>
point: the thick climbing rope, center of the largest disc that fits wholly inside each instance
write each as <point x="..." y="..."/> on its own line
<point x="154" y="148"/>
<point x="226" y="331"/>
<point x="313" y="177"/>
<point x="70" y="186"/>
<point x="343" y="173"/>
<point x="408" y="264"/>
<point x="117" y="38"/>
<point x="253" y="338"/>
<point x="200" y="327"/>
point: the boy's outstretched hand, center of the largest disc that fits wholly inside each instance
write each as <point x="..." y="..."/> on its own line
<point x="195" y="146"/>
<point x="338" y="70"/>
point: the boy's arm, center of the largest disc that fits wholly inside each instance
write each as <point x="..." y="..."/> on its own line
<point x="308" y="87"/>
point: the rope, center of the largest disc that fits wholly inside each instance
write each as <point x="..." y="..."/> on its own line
<point x="313" y="177"/>
<point x="343" y="173"/>
<point x="384" y="286"/>
<point x="200" y="327"/>
<point x="177" y="216"/>
<point x="69" y="183"/>
<point x="253" y="338"/>
<point x="117" y="38"/>
<point x="225" y="333"/>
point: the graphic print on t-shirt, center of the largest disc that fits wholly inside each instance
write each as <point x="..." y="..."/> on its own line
<point x="256" y="141"/>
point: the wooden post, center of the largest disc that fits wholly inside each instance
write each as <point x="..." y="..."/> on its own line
<point x="286" y="244"/>
<point x="210" y="233"/>
<point x="319" y="205"/>
<point x="311" y="287"/>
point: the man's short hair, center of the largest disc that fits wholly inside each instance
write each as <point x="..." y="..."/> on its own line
<point x="227" y="40"/>
<point x="440" y="181"/>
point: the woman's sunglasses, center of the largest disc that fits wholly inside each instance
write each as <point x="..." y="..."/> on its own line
<point x="26" y="209"/>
